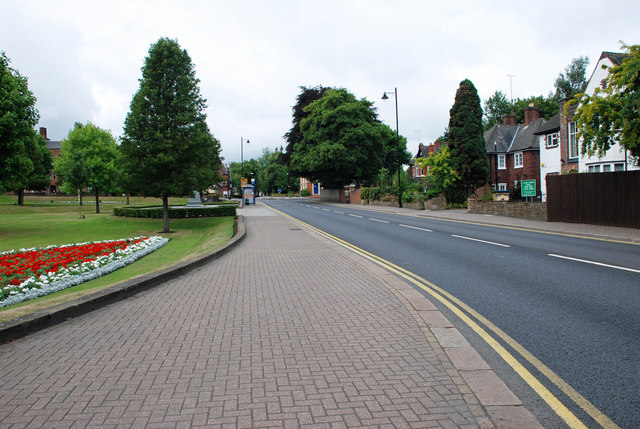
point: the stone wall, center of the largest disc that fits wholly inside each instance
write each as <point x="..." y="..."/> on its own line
<point x="521" y="209"/>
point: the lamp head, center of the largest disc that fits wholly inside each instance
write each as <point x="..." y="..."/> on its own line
<point x="384" y="96"/>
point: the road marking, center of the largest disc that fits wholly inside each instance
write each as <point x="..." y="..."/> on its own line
<point x="336" y="211"/>
<point x="481" y="241"/>
<point x="595" y="263"/>
<point x="415" y="227"/>
<point x="358" y="216"/>
<point x="458" y="307"/>
<point x="379" y="220"/>
<point x="326" y="210"/>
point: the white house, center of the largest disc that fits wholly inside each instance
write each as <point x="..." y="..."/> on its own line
<point x="616" y="158"/>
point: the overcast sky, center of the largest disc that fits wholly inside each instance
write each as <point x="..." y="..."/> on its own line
<point x="83" y="58"/>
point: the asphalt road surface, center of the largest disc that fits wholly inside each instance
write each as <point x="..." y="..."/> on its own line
<point x="573" y="303"/>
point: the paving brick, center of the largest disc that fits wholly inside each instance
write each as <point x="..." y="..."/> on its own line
<point x="286" y="330"/>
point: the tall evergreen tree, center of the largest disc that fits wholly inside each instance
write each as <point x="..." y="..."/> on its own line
<point x="167" y="147"/>
<point x="22" y="157"/>
<point x="466" y="140"/>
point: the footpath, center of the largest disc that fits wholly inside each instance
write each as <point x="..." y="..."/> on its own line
<point x="282" y="329"/>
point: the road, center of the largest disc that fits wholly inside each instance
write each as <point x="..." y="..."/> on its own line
<point x="572" y="303"/>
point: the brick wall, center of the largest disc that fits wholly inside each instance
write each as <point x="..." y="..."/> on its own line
<point x="520" y="209"/>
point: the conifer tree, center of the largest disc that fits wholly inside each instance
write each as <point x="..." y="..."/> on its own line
<point x="466" y="139"/>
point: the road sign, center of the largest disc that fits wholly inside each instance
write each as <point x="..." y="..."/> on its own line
<point x="528" y="188"/>
<point x="243" y="182"/>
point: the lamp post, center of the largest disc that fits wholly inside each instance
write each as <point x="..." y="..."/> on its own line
<point x="242" y="160"/>
<point x="386" y="97"/>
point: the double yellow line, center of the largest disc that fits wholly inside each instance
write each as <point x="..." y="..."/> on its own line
<point x="467" y="315"/>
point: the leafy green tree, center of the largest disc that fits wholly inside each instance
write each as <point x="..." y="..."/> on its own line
<point x="88" y="158"/>
<point x="495" y="107"/>
<point x="466" y="140"/>
<point x="22" y="151"/>
<point x="546" y="105"/>
<point x="294" y="135"/>
<point x="390" y="150"/>
<point x="610" y="115"/>
<point x="274" y="174"/>
<point x="342" y="141"/>
<point x="167" y="146"/>
<point x="573" y="81"/>
<point x="441" y="174"/>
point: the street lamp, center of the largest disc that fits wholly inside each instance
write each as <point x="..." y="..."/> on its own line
<point x="385" y="97"/>
<point x="242" y="160"/>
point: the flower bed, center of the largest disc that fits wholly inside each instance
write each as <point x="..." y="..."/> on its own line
<point x="29" y="273"/>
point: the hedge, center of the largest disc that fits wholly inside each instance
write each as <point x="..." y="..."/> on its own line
<point x="176" y="212"/>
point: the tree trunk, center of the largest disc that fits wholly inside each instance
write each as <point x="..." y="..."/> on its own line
<point x="165" y="206"/>
<point x="128" y="198"/>
<point x="97" y="201"/>
<point x="20" y="197"/>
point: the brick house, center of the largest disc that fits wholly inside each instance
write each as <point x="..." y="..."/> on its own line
<point x="313" y="187"/>
<point x="415" y="171"/>
<point x="514" y="152"/>
<point x="54" y="147"/>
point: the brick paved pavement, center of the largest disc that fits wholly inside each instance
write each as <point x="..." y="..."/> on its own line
<point x="286" y="330"/>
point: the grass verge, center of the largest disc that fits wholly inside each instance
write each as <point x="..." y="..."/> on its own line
<point x="39" y="224"/>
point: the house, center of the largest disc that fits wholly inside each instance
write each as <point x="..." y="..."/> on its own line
<point x="514" y="152"/>
<point x="54" y="147"/>
<point x="313" y="187"/>
<point x="415" y="170"/>
<point x="616" y="158"/>
<point x="558" y="139"/>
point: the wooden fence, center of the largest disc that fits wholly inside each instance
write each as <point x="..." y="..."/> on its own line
<point x="595" y="198"/>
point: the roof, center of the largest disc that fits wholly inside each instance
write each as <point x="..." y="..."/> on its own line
<point x="501" y="135"/>
<point x="53" y="144"/>
<point x="615" y="57"/>
<point x="513" y="138"/>
<point x="551" y="126"/>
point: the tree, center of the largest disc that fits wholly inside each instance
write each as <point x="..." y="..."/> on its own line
<point x="610" y="115"/>
<point x="88" y="158"/>
<point x="23" y="151"/>
<point x="274" y="174"/>
<point x="495" y="107"/>
<point x="342" y="141"/>
<point x="294" y="135"/>
<point x="573" y="81"/>
<point x="466" y="140"/>
<point x="546" y="106"/>
<point x="167" y="147"/>
<point x="442" y="176"/>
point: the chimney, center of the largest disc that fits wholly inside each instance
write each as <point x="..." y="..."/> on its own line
<point x="531" y="113"/>
<point x="509" y="119"/>
<point x="43" y="132"/>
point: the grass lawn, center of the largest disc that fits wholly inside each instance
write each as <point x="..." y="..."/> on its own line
<point x="41" y="223"/>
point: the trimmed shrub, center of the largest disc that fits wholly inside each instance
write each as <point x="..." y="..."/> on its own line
<point x="176" y="212"/>
<point x="305" y="193"/>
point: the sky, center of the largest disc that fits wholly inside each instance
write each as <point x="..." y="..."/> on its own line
<point x="83" y="59"/>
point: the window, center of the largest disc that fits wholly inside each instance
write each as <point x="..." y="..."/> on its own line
<point x="552" y="140"/>
<point x="517" y="160"/>
<point x="606" y="168"/>
<point x="573" y="140"/>
<point x="594" y="169"/>
<point x="502" y="161"/>
<point x="502" y="186"/>
<point x="618" y="167"/>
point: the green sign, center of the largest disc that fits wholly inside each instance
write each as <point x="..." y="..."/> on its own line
<point x="528" y="188"/>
